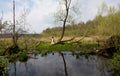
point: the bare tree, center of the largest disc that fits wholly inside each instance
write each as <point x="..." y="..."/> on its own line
<point x="19" y="25"/>
<point x="17" y="31"/>
<point x="1" y="23"/>
<point x="14" y="27"/>
<point x="67" y="4"/>
<point x="66" y="14"/>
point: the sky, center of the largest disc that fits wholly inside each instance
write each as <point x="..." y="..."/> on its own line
<point x="41" y="12"/>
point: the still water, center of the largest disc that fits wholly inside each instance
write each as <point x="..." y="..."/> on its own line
<point x="61" y="64"/>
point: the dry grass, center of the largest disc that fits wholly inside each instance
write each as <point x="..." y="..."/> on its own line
<point x="48" y="39"/>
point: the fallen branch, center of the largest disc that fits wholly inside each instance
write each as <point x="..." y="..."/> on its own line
<point x="63" y="42"/>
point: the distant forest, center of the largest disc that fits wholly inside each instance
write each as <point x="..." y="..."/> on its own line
<point x="106" y="23"/>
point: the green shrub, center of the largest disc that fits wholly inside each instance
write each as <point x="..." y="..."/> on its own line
<point x="116" y="61"/>
<point x="3" y="67"/>
<point x="22" y="56"/>
<point x="113" y="41"/>
<point x="12" y="57"/>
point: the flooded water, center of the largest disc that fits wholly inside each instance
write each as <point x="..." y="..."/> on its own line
<point x="61" y="64"/>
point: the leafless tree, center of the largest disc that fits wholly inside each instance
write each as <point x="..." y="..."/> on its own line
<point x="14" y="27"/>
<point x="3" y="25"/>
<point x="17" y="31"/>
<point x="67" y="4"/>
<point x="1" y="22"/>
<point x="66" y="14"/>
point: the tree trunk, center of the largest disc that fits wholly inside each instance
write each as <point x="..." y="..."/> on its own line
<point x="63" y="30"/>
<point x="14" y="34"/>
<point x="67" y="5"/>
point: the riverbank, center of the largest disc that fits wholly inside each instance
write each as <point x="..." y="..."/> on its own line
<point x="42" y="46"/>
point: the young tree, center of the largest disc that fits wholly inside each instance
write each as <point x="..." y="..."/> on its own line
<point x="3" y="25"/>
<point x="14" y="27"/>
<point x="17" y="31"/>
<point x="63" y="15"/>
<point x="1" y="22"/>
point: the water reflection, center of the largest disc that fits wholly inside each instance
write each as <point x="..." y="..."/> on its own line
<point x="61" y="64"/>
<point x="64" y="62"/>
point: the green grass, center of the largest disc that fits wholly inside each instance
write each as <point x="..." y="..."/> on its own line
<point x="58" y="47"/>
<point x="4" y="44"/>
<point x="47" y="47"/>
<point x="89" y="46"/>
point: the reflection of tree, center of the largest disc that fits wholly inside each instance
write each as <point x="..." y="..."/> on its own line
<point x="65" y="67"/>
<point x="27" y="71"/>
<point x="15" y="69"/>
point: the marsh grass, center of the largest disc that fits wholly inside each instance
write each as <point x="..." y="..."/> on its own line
<point x="3" y="45"/>
<point x="47" y="47"/>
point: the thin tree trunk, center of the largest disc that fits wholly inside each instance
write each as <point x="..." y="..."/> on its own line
<point x="14" y="34"/>
<point x="67" y="6"/>
<point x="63" y="30"/>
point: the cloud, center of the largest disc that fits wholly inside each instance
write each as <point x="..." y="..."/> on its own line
<point x="41" y="12"/>
<point x="41" y="15"/>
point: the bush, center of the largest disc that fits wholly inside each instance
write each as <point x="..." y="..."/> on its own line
<point x="22" y="56"/>
<point x="116" y="61"/>
<point x="113" y="40"/>
<point x="3" y="67"/>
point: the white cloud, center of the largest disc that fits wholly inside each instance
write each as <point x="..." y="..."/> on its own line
<point x="41" y="15"/>
<point x="41" y="11"/>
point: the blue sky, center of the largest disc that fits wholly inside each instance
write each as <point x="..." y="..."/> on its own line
<point x="41" y="12"/>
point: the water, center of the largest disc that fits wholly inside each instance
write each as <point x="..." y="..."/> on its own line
<point x="61" y="64"/>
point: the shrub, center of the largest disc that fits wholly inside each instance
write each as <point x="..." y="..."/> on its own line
<point x="116" y="61"/>
<point x="3" y="67"/>
<point x="113" y="40"/>
<point x="22" y="56"/>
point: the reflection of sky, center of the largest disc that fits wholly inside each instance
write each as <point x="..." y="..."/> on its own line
<point x="41" y="11"/>
<point x="52" y="65"/>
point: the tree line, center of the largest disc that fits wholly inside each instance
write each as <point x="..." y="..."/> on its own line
<point x="106" y="23"/>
